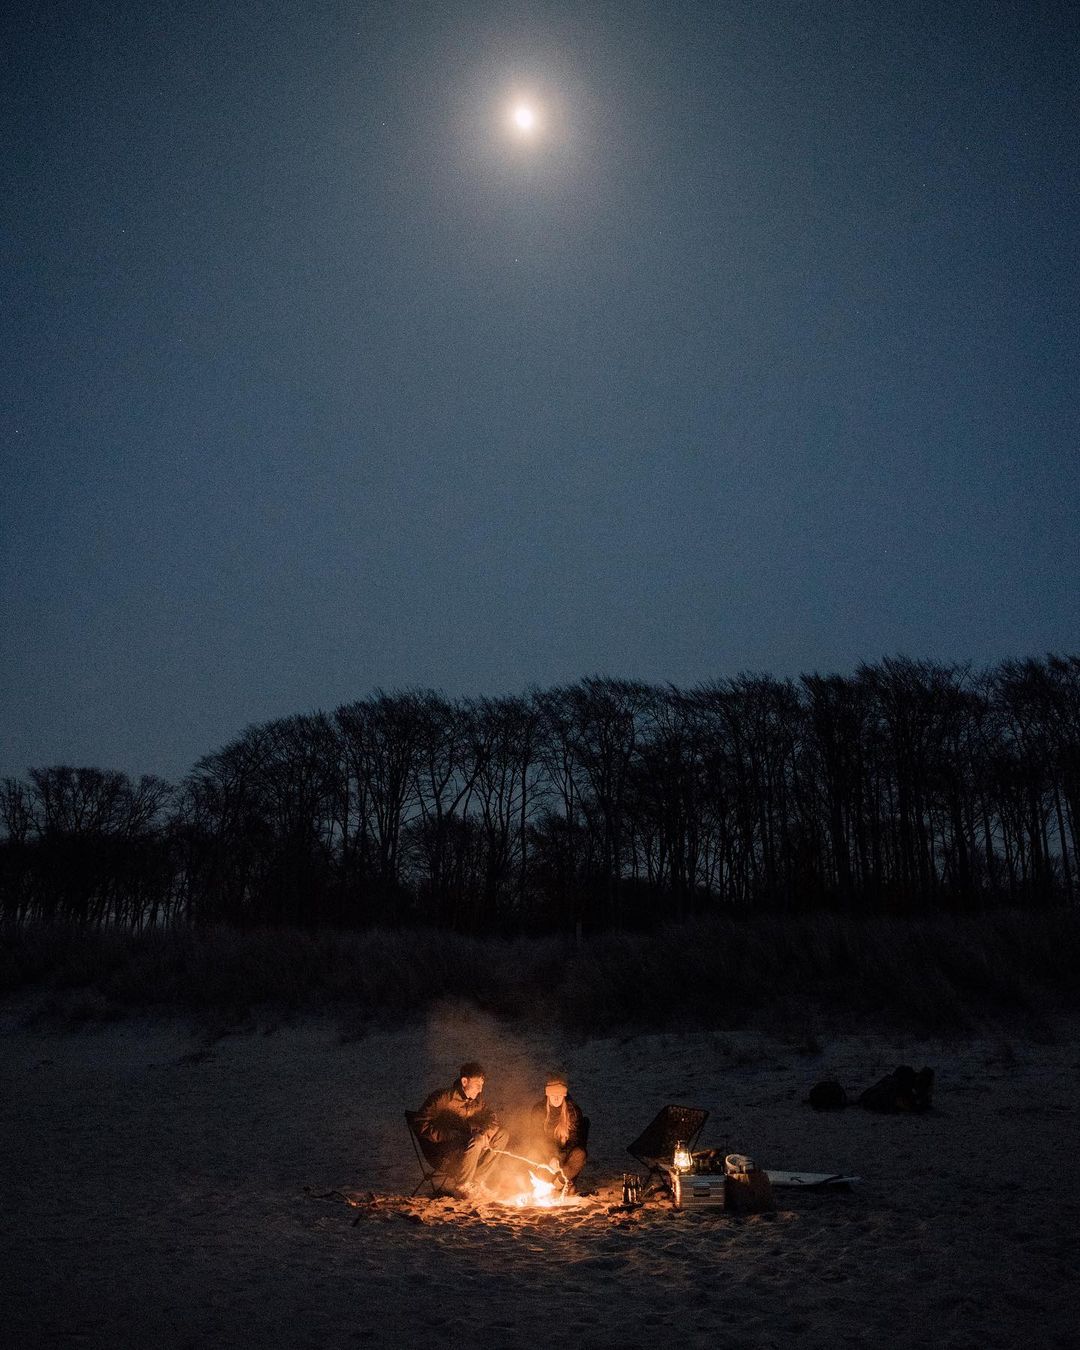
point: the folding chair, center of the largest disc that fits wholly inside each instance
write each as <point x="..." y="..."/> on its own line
<point x="426" y="1155"/>
<point x="654" y="1147"/>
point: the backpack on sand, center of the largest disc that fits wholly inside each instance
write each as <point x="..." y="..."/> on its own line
<point x="827" y="1096"/>
<point x="901" y="1090"/>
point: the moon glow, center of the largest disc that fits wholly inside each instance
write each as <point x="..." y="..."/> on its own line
<point x="524" y="117"/>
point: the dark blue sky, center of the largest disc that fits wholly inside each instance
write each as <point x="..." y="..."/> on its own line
<point x="760" y="354"/>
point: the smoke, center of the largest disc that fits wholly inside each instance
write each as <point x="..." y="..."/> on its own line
<point x="392" y="1069"/>
<point x="516" y="1061"/>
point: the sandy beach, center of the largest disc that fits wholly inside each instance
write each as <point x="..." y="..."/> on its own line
<point x="164" y="1192"/>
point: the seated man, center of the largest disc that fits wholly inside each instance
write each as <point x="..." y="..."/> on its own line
<point x="559" y="1128"/>
<point x="464" y="1132"/>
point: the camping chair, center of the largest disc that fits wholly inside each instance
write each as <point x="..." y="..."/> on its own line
<point x="654" y="1147"/>
<point x="426" y="1155"/>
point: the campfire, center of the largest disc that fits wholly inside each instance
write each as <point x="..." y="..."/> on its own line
<point x="541" y="1194"/>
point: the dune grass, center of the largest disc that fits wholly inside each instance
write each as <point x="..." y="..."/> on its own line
<point x="790" y="976"/>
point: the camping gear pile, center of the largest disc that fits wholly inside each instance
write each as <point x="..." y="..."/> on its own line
<point x="732" y="1182"/>
<point x="710" y="1178"/>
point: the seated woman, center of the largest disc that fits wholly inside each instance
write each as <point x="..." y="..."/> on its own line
<point x="560" y="1128"/>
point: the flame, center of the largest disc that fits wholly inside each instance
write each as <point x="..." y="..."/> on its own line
<point x="543" y="1195"/>
<point x="543" y="1191"/>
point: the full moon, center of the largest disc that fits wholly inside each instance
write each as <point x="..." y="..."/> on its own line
<point x="524" y="118"/>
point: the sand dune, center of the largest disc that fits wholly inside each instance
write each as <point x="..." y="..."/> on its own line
<point x="166" y="1194"/>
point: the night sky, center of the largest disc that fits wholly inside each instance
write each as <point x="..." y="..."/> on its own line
<point x="758" y="352"/>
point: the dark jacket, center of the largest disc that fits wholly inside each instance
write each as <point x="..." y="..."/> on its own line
<point x="544" y="1122"/>
<point x="449" y="1119"/>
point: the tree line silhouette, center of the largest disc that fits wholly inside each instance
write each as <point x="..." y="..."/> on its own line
<point x="907" y="786"/>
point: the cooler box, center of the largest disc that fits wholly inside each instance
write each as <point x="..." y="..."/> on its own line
<point x="698" y="1190"/>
